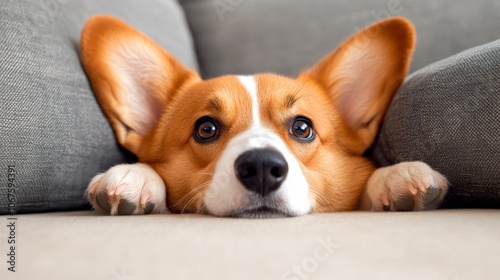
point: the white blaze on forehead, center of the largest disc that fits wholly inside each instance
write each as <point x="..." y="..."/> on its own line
<point x="251" y="86"/>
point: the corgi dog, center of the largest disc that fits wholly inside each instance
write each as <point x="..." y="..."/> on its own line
<point x="256" y="146"/>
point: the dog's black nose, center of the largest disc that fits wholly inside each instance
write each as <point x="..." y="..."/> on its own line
<point x="261" y="170"/>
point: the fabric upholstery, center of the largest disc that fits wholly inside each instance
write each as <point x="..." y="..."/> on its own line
<point x="437" y="245"/>
<point x="448" y="115"/>
<point x="51" y="127"/>
<point x="287" y="36"/>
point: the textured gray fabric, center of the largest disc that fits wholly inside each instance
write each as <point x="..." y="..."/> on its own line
<point x="51" y="127"/>
<point x="287" y="36"/>
<point x="448" y="115"/>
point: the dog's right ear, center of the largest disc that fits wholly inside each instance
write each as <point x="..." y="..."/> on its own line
<point x="132" y="77"/>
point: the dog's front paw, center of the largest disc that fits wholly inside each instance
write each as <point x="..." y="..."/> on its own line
<point x="406" y="186"/>
<point x="128" y="189"/>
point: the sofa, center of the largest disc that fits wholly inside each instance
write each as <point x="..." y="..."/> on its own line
<point x="54" y="138"/>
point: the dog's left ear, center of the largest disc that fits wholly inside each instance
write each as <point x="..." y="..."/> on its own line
<point x="363" y="75"/>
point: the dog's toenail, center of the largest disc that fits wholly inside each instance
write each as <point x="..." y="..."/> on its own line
<point x="404" y="203"/>
<point x="126" y="207"/>
<point x="102" y="201"/>
<point x="149" y="208"/>
<point x="431" y="198"/>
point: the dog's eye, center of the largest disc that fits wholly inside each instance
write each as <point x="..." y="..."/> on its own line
<point x="302" y="129"/>
<point x="205" y="130"/>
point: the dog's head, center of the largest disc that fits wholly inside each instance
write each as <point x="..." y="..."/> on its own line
<point x="249" y="146"/>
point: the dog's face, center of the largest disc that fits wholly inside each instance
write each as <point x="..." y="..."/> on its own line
<point x="249" y="146"/>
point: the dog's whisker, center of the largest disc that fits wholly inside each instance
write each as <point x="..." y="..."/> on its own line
<point x="189" y="193"/>
<point x="202" y="185"/>
<point x="202" y="209"/>
<point x="197" y="196"/>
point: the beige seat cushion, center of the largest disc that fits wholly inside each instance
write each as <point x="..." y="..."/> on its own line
<point x="446" y="244"/>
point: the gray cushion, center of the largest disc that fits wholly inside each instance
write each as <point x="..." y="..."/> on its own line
<point x="51" y="128"/>
<point x="286" y="36"/>
<point x="448" y="115"/>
